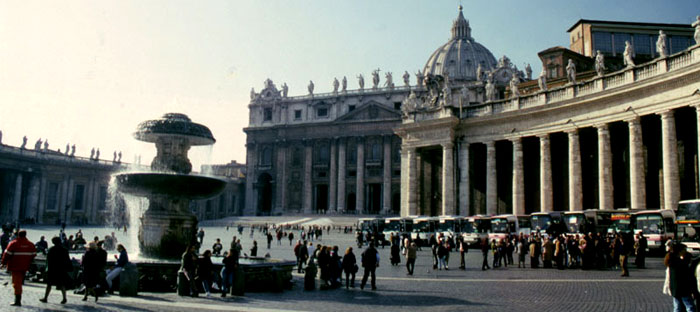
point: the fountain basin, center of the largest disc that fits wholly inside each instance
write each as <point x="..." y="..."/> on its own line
<point x="146" y="184"/>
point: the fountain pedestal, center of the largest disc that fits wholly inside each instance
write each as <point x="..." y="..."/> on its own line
<point x="167" y="227"/>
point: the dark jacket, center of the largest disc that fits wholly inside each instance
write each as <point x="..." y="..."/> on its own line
<point x="369" y="258"/>
<point x="349" y="263"/>
<point x="681" y="276"/>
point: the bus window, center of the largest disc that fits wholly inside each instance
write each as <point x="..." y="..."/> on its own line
<point x="650" y="224"/>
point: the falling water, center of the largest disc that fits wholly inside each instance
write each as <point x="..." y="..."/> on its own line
<point x="126" y="210"/>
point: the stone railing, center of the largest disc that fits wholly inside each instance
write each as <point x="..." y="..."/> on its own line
<point x="55" y="156"/>
<point x="369" y="91"/>
<point x="609" y="81"/>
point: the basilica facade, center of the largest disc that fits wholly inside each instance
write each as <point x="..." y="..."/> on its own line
<point x="476" y="135"/>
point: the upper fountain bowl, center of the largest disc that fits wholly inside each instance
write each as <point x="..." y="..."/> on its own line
<point x="173" y="185"/>
<point x="174" y="125"/>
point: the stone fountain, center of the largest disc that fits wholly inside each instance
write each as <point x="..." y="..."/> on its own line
<point x="168" y="225"/>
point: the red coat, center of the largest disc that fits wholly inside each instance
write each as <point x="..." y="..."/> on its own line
<point x="19" y="255"/>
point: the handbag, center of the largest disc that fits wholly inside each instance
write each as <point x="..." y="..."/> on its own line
<point x="355" y="268"/>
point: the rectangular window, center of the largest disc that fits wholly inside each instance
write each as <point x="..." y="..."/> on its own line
<point x="267" y="114"/>
<point x="322" y="112"/>
<point x="322" y="174"/>
<point x="397" y="105"/>
<point x="297" y="114"/>
<point x="222" y="205"/>
<point x="78" y="199"/>
<point x="552" y="72"/>
<point x="233" y="203"/>
<point x="351" y="108"/>
<point x="52" y="197"/>
<point x="619" y="42"/>
<point x="602" y="41"/>
<point x="678" y="43"/>
<point x="642" y="45"/>
<point x="352" y="173"/>
<point x="103" y="198"/>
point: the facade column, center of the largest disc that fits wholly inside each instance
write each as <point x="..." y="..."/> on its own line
<point x="670" y="162"/>
<point x="697" y="129"/>
<point x="491" y="183"/>
<point x="386" y="188"/>
<point x="518" y="178"/>
<point x="250" y="191"/>
<point x="575" y="178"/>
<point x="545" y="174"/>
<point x="42" y="201"/>
<point x="69" y="201"/>
<point x="464" y="179"/>
<point x="280" y="178"/>
<point x="341" y="176"/>
<point x="605" y="187"/>
<point x="409" y="183"/>
<point x="637" y="179"/>
<point x="17" y="197"/>
<point x="308" y="162"/>
<point x="333" y="183"/>
<point x="448" y="181"/>
<point x="360" y="187"/>
<point x="33" y="197"/>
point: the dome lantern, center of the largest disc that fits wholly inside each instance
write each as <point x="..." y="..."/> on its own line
<point x="460" y="27"/>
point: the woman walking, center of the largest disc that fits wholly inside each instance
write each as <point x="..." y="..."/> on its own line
<point x="91" y="269"/>
<point x="58" y="265"/>
<point x="681" y="277"/>
<point x="350" y="268"/>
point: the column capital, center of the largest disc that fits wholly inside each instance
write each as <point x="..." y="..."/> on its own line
<point x="490" y="144"/>
<point x="571" y="132"/>
<point x="666" y="114"/>
<point x="516" y="140"/>
<point x="447" y="145"/>
<point x="633" y="121"/>
<point x="602" y="127"/>
<point x="544" y="136"/>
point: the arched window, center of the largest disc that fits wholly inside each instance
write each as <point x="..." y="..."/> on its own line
<point x="266" y="156"/>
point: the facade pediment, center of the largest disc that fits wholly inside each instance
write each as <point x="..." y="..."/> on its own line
<point x="371" y="111"/>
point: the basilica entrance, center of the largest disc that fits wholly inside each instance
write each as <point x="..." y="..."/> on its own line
<point x="264" y="194"/>
<point x="430" y="179"/>
<point x="374" y="198"/>
<point x="321" y="198"/>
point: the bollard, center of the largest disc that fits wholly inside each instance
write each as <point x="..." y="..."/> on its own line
<point x="183" y="286"/>
<point x="238" y="288"/>
<point x="310" y="277"/>
<point x="129" y="280"/>
<point x="277" y="279"/>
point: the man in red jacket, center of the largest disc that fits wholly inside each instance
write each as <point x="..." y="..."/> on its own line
<point x="17" y="258"/>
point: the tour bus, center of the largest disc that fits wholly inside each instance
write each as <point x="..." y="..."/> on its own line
<point x="547" y="223"/>
<point x="620" y="221"/>
<point x="423" y="227"/>
<point x="688" y="224"/>
<point x="502" y="226"/>
<point x="524" y="225"/>
<point x="370" y="225"/>
<point x="597" y="221"/>
<point x="397" y="226"/>
<point x="576" y="222"/>
<point x="449" y="226"/>
<point x="657" y="226"/>
<point x="474" y="229"/>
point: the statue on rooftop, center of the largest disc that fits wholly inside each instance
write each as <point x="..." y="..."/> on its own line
<point x="114" y="158"/>
<point x="344" y="84"/>
<point x="361" y="81"/>
<point x="490" y="88"/>
<point x="406" y="78"/>
<point x="97" y="154"/>
<point x="92" y="153"/>
<point x="336" y="85"/>
<point x="571" y="71"/>
<point x="696" y="24"/>
<point x="528" y="71"/>
<point x="389" y="80"/>
<point x="479" y="72"/>
<point x="542" y="80"/>
<point x="252" y="94"/>
<point x="72" y="150"/>
<point x="661" y="44"/>
<point x="119" y="159"/>
<point x="419" y="78"/>
<point x="464" y="96"/>
<point x="24" y="142"/>
<point x="285" y="90"/>
<point x="46" y="145"/>
<point x="375" y="79"/>
<point x="37" y="145"/>
<point x="627" y="55"/>
<point x="311" y="87"/>
<point x="67" y="148"/>
<point x="599" y="63"/>
<point x="514" y="81"/>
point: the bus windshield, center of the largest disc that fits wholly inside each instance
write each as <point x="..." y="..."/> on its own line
<point x="499" y="225"/>
<point x="620" y="222"/>
<point x="447" y="225"/>
<point x="650" y="223"/>
<point x="688" y="212"/>
<point x="524" y="222"/>
<point x="468" y="226"/>
<point x="392" y="226"/>
<point x="689" y="233"/>
<point x="540" y="222"/>
<point x="574" y="223"/>
<point x="421" y="226"/>
<point x="603" y="219"/>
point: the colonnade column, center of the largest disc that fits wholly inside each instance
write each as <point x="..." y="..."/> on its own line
<point x="670" y="160"/>
<point x="333" y="178"/>
<point x="605" y="187"/>
<point x="42" y="200"/>
<point x="637" y="178"/>
<point x="308" y="150"/>
<point x="17" y="197"/>
<point x="697" y="129"/>
<point x="448" y="184"/>
<point x="250" y="191"/>
<point x="464" y="179"/>
<point x="545" y="174"/>
<point x="281" y="177"/>
<point x="386" y="188"/>
<point x="409" y="185"/>
<point x="518" y="178"/>
<point x="360" y="187"/>
<point x="491" y="183"/>
<point x="341" y="175"/>
<point x="575" y="179"/>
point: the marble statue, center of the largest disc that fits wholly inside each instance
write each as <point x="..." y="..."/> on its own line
<point x="490" y="88"/>
<point x="285" y="90"/>
<point x="92" y="153"/>
<point x="119" y="158"/>
<point x="252" y="94"/>
<point x="464" y="96"/>
<point x="269" y="84"/>
<point x="410" y="104"/>
<point x="37" y="145"/>
<point x="67" y="148"/>
<point x="0" y="137"/>
<point x="97" y="154"/>
<point x="46" y="145"/>
<point x="419" y="78"/>
<point x="627" y="55"/>
<point x="344" y="84"/>
<point x="504" y="61"/>
<point x="696" y="24"/>
<point x="375" y="79"/>
<point x="446" y="94"/>
<point x="72" y="150"/>
<point x="571" y="71"/>
<point x="479" y="72"/>
<point x="542" y="80"/>
<point x="389" y="80"/>
<point x="514" y="81"/>
<point x="406" y="78"/>
<point x="311" y="87"/>
<point x="114" y="158"/>
<point x="599" y="63"/>
<point x="661" y="44"/>
<point x="528" y="71"/>
<point x="361" y="81"/>
<point x="24" y="142"/>
<point x="336" y="85"/>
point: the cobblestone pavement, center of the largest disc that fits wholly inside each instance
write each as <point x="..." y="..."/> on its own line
<point x="503" y="289"/>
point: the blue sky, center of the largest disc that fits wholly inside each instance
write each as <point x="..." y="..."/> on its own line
<point x="87" y="72"/>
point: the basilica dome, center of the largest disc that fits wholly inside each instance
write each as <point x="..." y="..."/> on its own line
<point x="460" y="57"/>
